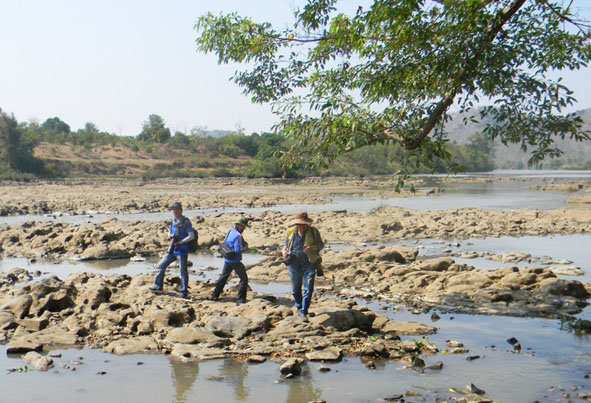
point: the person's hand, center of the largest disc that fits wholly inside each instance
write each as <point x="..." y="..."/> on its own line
<point x="177" y="244"/>
<point x="307" y="249"/>
<point x="284" y="253"/>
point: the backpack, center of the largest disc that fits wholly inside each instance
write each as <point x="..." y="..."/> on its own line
<point x="225" y="251"/>
<point x="194" y="244"/>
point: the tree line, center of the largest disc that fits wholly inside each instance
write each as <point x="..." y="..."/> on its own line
<point x="260" y="153"/>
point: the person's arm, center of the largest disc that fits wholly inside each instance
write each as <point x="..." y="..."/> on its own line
<point x="317" y="245"/>
<point x="186" y="239"/>
<point x="285" y="244"/>
<point x="319" y="241"/>
<point x="244" y="244"/>
<point x="190" y="232"/>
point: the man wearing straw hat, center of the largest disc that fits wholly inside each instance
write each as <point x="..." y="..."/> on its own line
<point x="233" y="262"/>
<point x="301" y="254"/>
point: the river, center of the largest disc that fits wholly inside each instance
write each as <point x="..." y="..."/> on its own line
<point x="551" y="358"/>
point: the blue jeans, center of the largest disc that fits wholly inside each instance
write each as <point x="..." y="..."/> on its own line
<point x="165" y="262"/>
<point x="302" y="275"/>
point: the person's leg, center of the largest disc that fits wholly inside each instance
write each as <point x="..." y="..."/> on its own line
<point x="243" y="286"/>
<point x="295" y="275"/>
<point x="222" y="280"/>
<point x="309" y="274"/>
<point x="164" y="263"/>
<point x="184" y="274"/>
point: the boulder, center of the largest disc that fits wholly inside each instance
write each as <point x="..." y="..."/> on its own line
<point x="142" y="344"/>
<point x="440" y="264"/>
<point x="34" y="325"/>
<point x="173" y="316"/>
<point x="291" y="366"/>
<point x="54" y="302"/>
<point x="103" y="251"/>
<point x="37" y="361"/>
<point x="21" y="346"/>
<point x="256" y="359"/>
<point x="567" y="271"/>
<point x="377" y="349"/>
<point x="58" y="336"/>
<point x="197" y="351"/>
<point x="7" y="321"/>
<point x="184" y="335"/>
<point x="95" y="296"/>
<point x="563" y="287"/>
<point x="343" y="320"/>
<point x="328" y="354"/>
<point x="18" y="305"/>
<point x="229" y="326"/>
<point x="408" y="328"/>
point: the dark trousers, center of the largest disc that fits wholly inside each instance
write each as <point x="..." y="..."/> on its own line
<point x="223" y="279"/>
<point x="165" y="262"/>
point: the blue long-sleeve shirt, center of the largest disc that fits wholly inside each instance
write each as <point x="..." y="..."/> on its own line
<point x="234" y="241"/>
<point x="181" y="227"/>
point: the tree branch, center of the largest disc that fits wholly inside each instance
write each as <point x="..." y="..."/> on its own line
<point x="585" y="29"/>
<point x="442" y="106"/>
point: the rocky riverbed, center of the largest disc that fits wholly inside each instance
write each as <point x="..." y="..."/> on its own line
<point x="394" y="274"/>
<point x="120" y="315"/>
<point x="129" y="196"/>
<point x="113" y="238"/>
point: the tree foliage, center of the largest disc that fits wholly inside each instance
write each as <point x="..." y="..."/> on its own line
<point x="55" y="125"/>
<point x="391" y="72"/>
<point x="154" y="130"/>
<point x="16" y="150"/>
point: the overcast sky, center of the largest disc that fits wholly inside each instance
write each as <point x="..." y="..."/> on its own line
<point x="114" y="62"/>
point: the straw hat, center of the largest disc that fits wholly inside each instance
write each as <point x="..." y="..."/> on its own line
<point x="300" y="217"/>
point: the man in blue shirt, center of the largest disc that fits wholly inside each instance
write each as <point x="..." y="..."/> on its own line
<point x="181" y="233"/>
<point x="233" y="262"/>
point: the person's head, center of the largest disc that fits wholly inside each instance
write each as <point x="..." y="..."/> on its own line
<point x="241" y="224"/>
<point x="177" y="209"/>
<point x="301" y="219"/>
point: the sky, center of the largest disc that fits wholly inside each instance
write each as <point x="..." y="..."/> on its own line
<point x="114" y="62"/>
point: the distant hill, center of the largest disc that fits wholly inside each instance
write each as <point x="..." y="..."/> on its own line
<point x="575" y="153"/>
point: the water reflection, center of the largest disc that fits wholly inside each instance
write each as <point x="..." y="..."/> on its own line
<point x="236" y="372"/>
<point x="302" y="389"/>
<point x="184" y="375"/>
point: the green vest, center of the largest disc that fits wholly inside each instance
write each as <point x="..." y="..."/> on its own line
<point x="311" y="238"/>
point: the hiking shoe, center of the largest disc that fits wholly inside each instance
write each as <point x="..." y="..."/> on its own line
<point x="156" y="289"/>
<point x="184" y="294"/>
<point x="303" y="317"/>
<point x="240" y="302"/>
<point x="212" y="298"/>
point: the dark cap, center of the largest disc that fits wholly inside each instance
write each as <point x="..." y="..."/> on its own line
<point x="176" y="206"/>
<point x="242" y="221"/>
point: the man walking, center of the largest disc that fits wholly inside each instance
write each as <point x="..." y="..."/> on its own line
<point x="301" y="254"/>
<point x="181" y="233"/>
<point x="233" y="262"/>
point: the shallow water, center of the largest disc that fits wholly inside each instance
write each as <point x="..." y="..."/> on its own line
<point x="550" y="357"/>
<point x="505" y="195"/>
